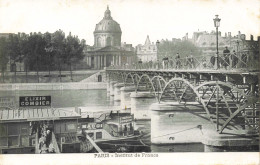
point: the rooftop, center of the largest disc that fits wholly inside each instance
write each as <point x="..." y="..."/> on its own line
<point x="17" y="115"/>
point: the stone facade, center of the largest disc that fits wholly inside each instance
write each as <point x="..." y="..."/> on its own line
<point x="147" y="52"/>
<point x="107" y="49"/>
<point x="207" y="42"/>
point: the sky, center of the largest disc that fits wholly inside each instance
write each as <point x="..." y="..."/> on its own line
<point x="160" y="19"/>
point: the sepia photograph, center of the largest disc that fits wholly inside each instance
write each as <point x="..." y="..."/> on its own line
<point x="129" y="82"/>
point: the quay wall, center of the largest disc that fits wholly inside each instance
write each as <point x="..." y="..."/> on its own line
<point x="52" y="86"/>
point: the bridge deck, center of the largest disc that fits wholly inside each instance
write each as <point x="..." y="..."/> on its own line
<point x="207" y="71"/>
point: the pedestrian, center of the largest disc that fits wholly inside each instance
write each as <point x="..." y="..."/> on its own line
<point x="192" y="64"/>
<point x="226" y="54"/>
<point x="178" y="62"/>
<point x="234" y="59"/>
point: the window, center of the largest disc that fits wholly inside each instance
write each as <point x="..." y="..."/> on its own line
<point x="33" y="142"/>
<point x="62" y="139"/>
<point x="108" y="43"/>
<point x="3" y="141"/>
<point x="99" y="42"/>
<point x="98" y="135"/>
<point x="25" y="140"/>
<point x="71" y="127"/>
<point x="3" y="130"/>
<point x="13" y="141"/>
<point x="13" y="129"/>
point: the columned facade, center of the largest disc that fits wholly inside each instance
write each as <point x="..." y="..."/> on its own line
<point x="107" y="49"/>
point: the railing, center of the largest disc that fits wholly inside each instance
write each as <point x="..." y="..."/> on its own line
<point x="232" y="61"/>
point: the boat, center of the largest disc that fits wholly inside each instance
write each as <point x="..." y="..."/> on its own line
<point x="113" y="131"/>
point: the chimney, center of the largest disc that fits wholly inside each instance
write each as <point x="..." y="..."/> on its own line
<point x="229" y="34"/>
<point x="258" y="38"/>
<point x="243" y="37"/>
<point x="251" y="37"/>
<point x="226" y="35"/>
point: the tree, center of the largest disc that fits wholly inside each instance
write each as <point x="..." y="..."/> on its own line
<point x="13" y="51"/>
<point x="3" y="56"/>
<point x="73" y="51"/>
<point x="184" y="48"/>
<point x="48" y="49"/>
<point x="58" y="44"/>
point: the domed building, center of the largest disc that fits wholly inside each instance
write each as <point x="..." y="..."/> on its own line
<point x="107" y="32"/>
<point x="107" y="49"/>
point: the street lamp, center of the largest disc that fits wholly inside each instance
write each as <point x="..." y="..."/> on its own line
<point x="216" y="24"/>
<point x="157" y="46"/>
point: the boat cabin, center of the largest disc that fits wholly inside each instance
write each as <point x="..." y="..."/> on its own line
<point x="21" y="130"/>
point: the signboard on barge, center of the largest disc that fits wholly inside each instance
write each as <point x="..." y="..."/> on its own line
<point x="35" y="101"/>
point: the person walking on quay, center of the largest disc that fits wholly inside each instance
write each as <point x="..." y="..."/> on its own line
<point x="226" y="54"/>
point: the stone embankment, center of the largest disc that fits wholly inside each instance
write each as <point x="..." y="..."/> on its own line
<point x="52" y="86"/>
<point x="91" y="82"/>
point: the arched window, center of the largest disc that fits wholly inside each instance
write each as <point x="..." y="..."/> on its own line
<point x="99" y="42"/>
<point x="212" y="44"/>
<point x="108" y="41"/>
<point x="204" y="43"/>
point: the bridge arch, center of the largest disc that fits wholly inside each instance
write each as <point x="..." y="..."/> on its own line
<point x="156" y="84"/>
<point x="225" y="104"/>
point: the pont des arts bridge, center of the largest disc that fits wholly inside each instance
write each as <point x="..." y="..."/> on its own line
<point x="193" y="103"/>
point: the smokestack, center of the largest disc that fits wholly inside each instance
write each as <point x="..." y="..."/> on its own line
<point x="251" y="37"/>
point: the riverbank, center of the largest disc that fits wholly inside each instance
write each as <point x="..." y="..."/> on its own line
<point x="52" y="86"/>
<point x="45" y="77"/>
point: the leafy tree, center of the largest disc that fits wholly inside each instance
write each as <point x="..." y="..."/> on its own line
<point x="3" y="56"/>
<point x="48" y="48"/>
<point x="170" y="49"/>
<point x="58" y="46"/>
<point x="14" y="52"/>
<point x="73" y="51"/>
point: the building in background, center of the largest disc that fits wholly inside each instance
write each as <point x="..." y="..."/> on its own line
<point x="108" y="49"/>
<point x="207" y="42"/>
<point x="147" y="52"/>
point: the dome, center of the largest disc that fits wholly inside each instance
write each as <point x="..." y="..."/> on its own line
<point x="107" y="24"/>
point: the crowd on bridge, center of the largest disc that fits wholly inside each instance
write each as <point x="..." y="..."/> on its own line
<point x="226" y="60"/>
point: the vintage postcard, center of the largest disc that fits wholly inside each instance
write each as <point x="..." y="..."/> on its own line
<point x="129" y="82"/>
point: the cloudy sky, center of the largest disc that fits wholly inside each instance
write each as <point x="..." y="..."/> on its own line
<point x="137" y="18"/>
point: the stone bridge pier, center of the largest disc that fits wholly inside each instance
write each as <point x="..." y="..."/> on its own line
<point x="140" y="103"/>
<point x="125" y="96"/>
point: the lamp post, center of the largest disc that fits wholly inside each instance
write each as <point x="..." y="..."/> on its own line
<point x="157" y="46"/>
<point x="216" y="24"/>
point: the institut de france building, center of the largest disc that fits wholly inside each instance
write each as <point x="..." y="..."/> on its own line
<point x="108" y="49"/>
